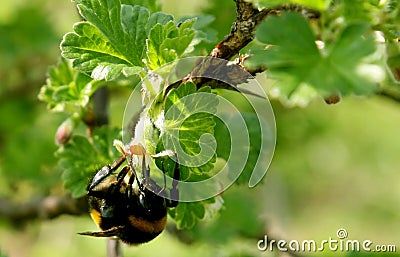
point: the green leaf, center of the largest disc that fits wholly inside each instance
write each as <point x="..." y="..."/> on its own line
<point x="167" y="42"/>
<point x="392" y="5"/>
<point x="152" y="5"/>
<point x="224" y="145"/>
<point x="122" y="25"/>
<point x="241" y="216"/>
<point x="204" y="31"/>
<point x="187" y="215"/>
<point x="158" y="18"/>
<point x="296" y="62"/>
<point x="113" y="37"/>
<point x="189" y="129"/>
<point x="393" y="59"/>
<point x="116" y="38"/>
<point x="66" y="90"/>
<point x="82" y="157"/>
<point x="361" y="10"/>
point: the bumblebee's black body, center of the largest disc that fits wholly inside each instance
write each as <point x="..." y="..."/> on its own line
<point x="134" y="214"/>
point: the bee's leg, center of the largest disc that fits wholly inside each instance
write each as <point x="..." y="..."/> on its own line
<point x="104" y="172"/>
<point x="120" y="177"/>
<point x="146" y="182"/>
<point x="112" y="188"/>
<point x="145" y="170"/>
<point x="174" y="192"/>
<point x="162" y="192"/>
<point x="128" y="192"/>
<point x="114" y="231"/>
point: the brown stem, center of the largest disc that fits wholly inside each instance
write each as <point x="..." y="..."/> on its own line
<point x="101" y="116"/>
<point x="48" y="207"/>
<point x="242" y="33"/>
<point x="114" y="248"/>
<point x="247" y="19"/>
<point x="100" y="106"/>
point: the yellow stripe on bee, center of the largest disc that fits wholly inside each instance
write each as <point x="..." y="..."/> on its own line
<point x="148" y="226"/>
<point x="96" y="216"/>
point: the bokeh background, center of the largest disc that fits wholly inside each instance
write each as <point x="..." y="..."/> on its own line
<point x="334" y="166"/>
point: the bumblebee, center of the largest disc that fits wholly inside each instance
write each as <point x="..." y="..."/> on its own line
<point x="124" y="206"/>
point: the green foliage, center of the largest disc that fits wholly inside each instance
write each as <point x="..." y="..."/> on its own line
<point x="83" y="156"/>
<point x="25" y="33"/>
<point x="381" y="15"/>
<point x="393" y="59"/>
<point x="204" y="30"/>
<point x="120" y="39"/>
<point x="239" y="217"/>
<point x="319" y="147"/>
<point x="188" y="214"/>
<point x="152" y="5"/>
<point x="167" y="42"/>
<point x="115" y="38"/>
<point x="26" y="147"/>
<point x="222" y="23"/>
<point x="205" y="34"/>
<point x="224" y="146"/>
<point x="340" y="54"/>
<point x="188" y="119"/>
<point x="102" y="50"/>
<point x="255" y="136"/>
<point x="339" y="68"/>
<point x="28" y="44"/>
<point x="66" y="90"/>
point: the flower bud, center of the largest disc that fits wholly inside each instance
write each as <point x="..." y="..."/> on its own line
<point x="64" y="132"/>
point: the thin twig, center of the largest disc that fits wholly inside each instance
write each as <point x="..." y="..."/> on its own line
<point x="100" y="106"/>
<point x="114" y="248"/>
<point x="43" y="208"/>
<point x="101" y="117"/>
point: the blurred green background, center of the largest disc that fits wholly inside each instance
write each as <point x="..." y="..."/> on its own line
<point x="334" y="166"/>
